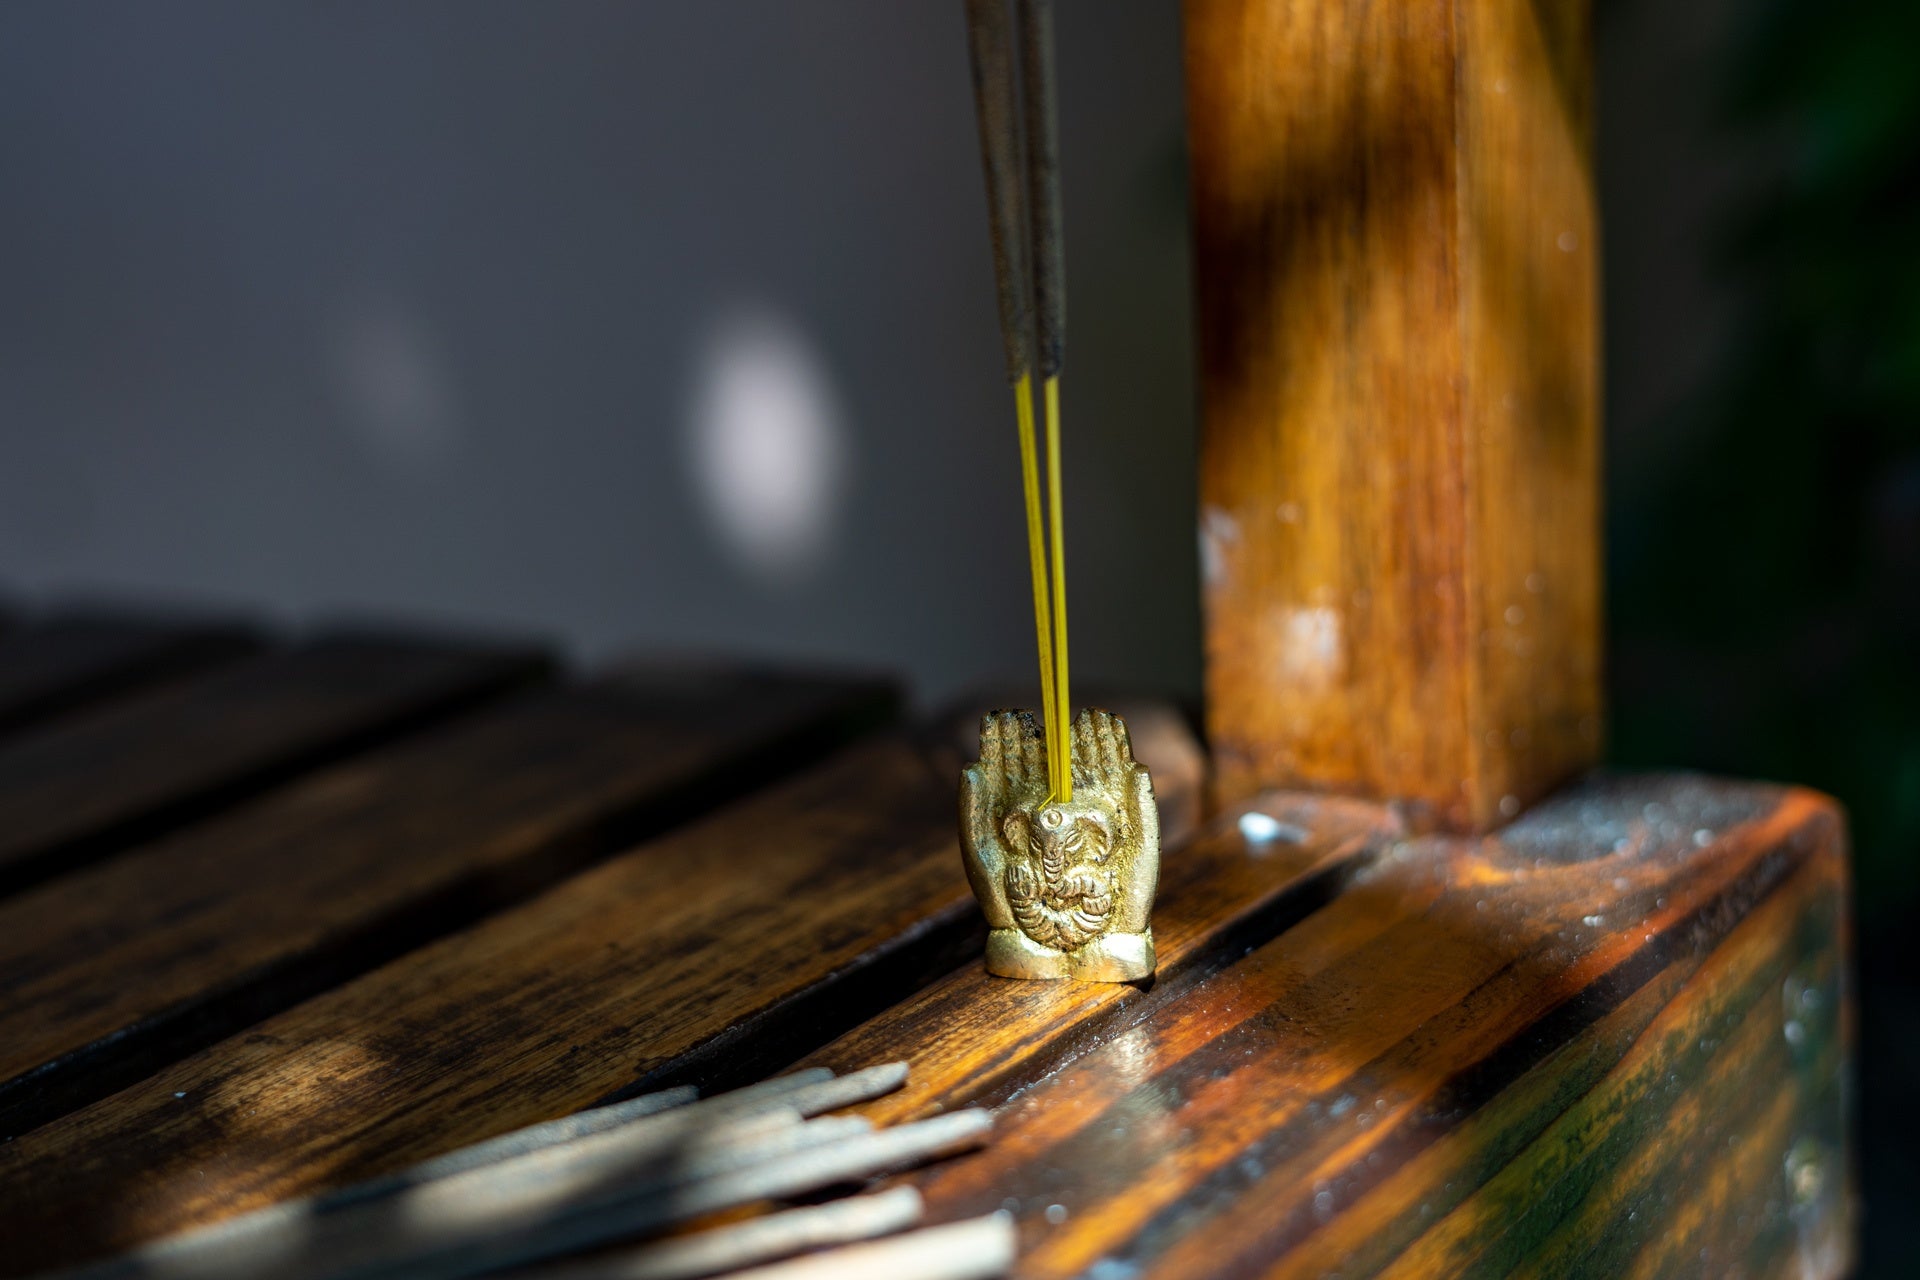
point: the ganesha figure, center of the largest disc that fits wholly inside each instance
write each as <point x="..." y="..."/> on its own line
<point x="1066" y="885"/>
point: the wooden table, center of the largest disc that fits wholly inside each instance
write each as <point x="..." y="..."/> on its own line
<point x="281" y="914"/>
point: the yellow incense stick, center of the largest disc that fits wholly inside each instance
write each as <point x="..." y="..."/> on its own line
<point x="1060" y="703"/>
<point x="1023" y="204"/>
<point x="1037" y="558"/>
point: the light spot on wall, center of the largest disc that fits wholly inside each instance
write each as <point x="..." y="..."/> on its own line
<point x="767" y="445"/>
<point x="393" y="382"/>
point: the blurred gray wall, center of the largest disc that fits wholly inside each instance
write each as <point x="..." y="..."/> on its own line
<point x="639" y="324"/>
<point x="659" y="324"/>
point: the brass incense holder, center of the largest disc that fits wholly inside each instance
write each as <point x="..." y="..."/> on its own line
<point x="1067" y="887"/>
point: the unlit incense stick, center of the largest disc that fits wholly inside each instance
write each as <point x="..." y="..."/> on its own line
<point x="1019" y="147"/>
<point x="978" y="1249"/>
<point x="605" y="1214"/>
<point x="254" y="1243"/>
<point x="996" y="95"/>
<point x="1046" y="250"/>
<point x="997" y="112"/>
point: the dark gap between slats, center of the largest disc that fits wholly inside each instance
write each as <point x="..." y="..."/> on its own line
<point x="779" y="1036"/>
<point x="71" y="855"/>
<point x="815" y="1018"/>
<point x="185" y="651"/>
<point x="112" y="1063"/>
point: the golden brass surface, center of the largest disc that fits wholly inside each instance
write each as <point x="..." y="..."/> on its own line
<point x="1067" y="887"/>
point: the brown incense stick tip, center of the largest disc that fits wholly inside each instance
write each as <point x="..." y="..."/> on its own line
<point x="1043" y="182"/>
<point x="997" y="111"/>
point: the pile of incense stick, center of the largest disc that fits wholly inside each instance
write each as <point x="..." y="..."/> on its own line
<point x="644" y="1170"/>
<point x="1020" y="153"/>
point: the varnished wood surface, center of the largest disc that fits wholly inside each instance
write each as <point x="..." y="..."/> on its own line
<point x="85" y="786"/>
<point x="697" y="955"/>
<point x="972" y="1036"/>
<point x="1395" y="248"/>
<point x="111" y="972"/>
<point x="1610" y="1040"/>
<point x="1607" y="1042"/>
<point x="56" y="664"/>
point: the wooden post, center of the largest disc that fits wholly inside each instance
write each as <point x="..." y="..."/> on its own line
<point x="1395" y="225"/>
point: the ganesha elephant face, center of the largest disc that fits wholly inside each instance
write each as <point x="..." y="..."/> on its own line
<point x="1058" y="886"/>
<point x="1058" y="835"/>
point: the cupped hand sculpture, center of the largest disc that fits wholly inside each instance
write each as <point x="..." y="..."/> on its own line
<point x="1067" y="886"/>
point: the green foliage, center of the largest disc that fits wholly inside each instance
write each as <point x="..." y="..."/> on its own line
<point x="1766" y="592"/>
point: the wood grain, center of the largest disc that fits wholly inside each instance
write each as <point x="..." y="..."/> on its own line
<point x="1614" y="1032"/>
<point x="56" y="664"/>
<point x="90" y="785"/>
<point x="972" y="1036"/>
<point x="717" y="950"/>
<point x="112" y="972"/>
<point x="1395" y="235"/>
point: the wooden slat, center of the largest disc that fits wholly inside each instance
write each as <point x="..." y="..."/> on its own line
<point x="112" y="972"/>
<point x="972" y="1036"/>
<point x="1394" y="226"/>
<point x="717" y="952"/>
<point x="78" y="790"/>
<point x="1558" y="1052"/>
<point x="55" y="665"/>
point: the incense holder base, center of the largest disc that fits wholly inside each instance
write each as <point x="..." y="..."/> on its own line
<point x="1117" y="957"/>
<point x="1066" y="884"/>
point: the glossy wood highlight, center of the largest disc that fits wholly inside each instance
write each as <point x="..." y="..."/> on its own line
<point x="972" y="1036"/>
<point x="1608" y="1039"/>
<point x="1395" y="233"/>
